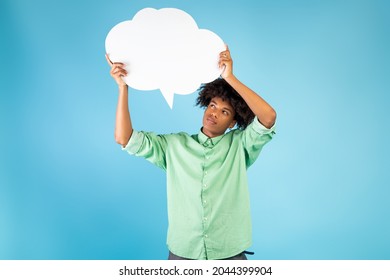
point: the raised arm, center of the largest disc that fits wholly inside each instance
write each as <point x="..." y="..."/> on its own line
<point x="123" y="127"/>
<point x="264" y="112"/>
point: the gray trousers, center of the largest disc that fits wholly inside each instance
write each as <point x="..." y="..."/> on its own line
<point x="240" y="256"/>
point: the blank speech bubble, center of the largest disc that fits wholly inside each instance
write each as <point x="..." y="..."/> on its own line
<point x="164" y="49"/>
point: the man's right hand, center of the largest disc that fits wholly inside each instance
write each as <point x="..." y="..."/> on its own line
<point x="117" y="71"/>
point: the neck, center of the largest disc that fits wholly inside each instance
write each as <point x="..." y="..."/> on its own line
<point x="209" y="134"/>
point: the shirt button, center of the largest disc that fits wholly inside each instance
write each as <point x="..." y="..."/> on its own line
<point x="207" y="157"/>
<point x="204" y="201"/>
<point x="205" y="218"/>
<point x="205" y="172"/>
<point x="206" y="235"/>
<point x="204" y="185"/>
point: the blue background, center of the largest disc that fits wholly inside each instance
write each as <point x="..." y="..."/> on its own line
<point x="320" y="189"/>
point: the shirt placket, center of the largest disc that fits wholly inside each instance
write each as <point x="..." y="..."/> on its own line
<point x="205" y="193"/>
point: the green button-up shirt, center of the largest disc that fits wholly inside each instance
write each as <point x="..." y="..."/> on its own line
<point x="207" y="189"/>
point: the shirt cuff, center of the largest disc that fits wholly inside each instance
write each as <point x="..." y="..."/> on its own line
<point x="261" y="129"/>
<point x="134" y="143"/>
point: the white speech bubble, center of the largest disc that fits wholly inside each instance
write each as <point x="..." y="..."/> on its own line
<point x="164" y="49"/>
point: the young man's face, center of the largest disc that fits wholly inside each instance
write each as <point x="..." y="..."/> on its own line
<point x="218" y="117"/>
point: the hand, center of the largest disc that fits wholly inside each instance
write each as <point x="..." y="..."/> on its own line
<point x="226" y="62"/>
<point x="117" y="71"/>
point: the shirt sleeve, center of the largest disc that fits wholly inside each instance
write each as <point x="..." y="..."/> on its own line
<point x="254" y="137"/>
<point x="148" y="145"/>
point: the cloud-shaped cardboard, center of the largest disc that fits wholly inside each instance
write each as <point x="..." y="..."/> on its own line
<point x="164" y="49"/>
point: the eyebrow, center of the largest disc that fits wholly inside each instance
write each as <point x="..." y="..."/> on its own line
<point x="227" y="109"/>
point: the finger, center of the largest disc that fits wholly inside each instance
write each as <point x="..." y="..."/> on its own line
<point x="225" y="60"/>
<point x="114" y="69"/>
<point x="117" y="66"/>
<point x="221" y="63"/>
<point x="119" y="71"/>
<point x="122" y="72"/>
<point x="224" y="54"/>
<point x="109" y="61"/>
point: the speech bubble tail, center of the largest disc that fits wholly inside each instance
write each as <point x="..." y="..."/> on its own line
<point x="168" y="95"/>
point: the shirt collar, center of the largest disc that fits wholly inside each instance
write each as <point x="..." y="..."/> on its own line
<point x="203" y="138"/>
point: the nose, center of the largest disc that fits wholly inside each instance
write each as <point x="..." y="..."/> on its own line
<point x="214" y="114"/>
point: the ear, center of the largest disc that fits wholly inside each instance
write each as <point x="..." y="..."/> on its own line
<point x="232" y="124"/>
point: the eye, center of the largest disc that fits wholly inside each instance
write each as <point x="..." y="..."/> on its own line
<point x="212" y="106"/>
<point x="226" y="113"/>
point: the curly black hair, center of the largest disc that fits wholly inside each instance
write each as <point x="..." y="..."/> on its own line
<point x="220" y="88"/>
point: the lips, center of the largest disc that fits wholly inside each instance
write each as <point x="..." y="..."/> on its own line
<point x="211" y="121"/>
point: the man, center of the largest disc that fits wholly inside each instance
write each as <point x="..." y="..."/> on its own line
<point x="207" y="190"/>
